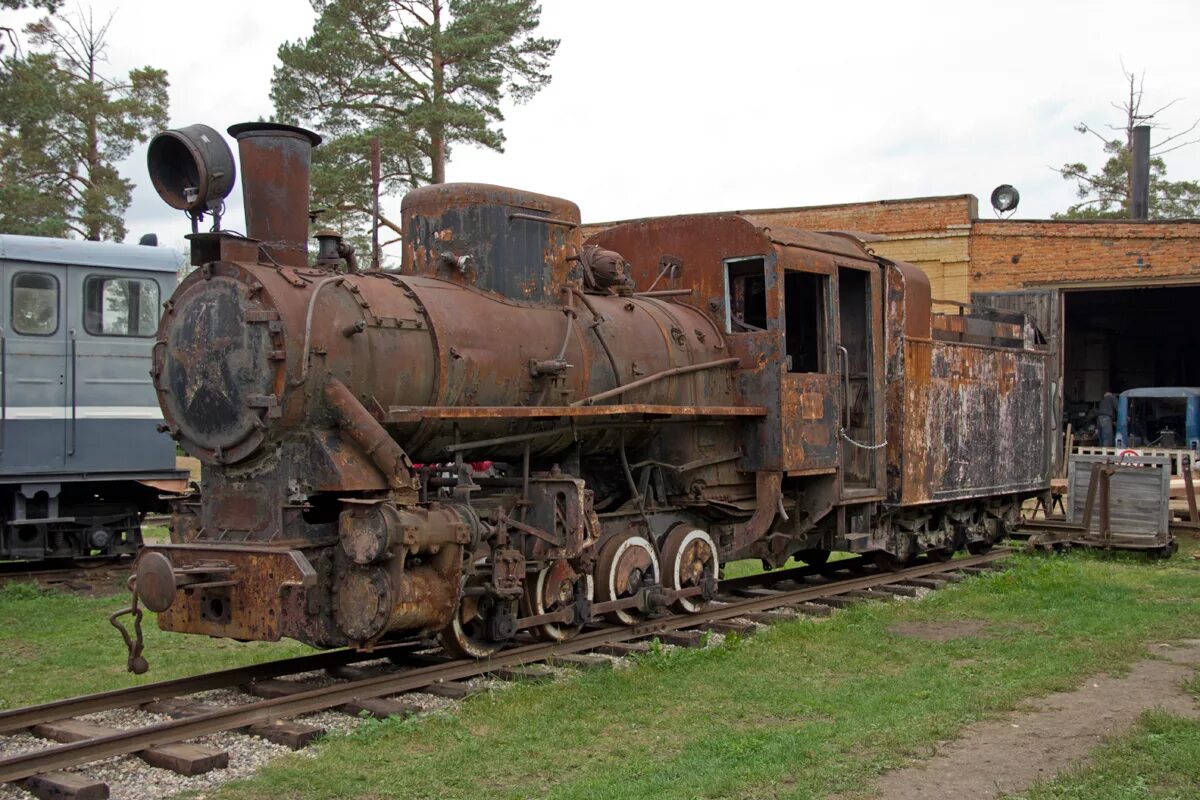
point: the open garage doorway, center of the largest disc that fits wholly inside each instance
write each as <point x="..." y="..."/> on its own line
<point x="1128" y="338"/>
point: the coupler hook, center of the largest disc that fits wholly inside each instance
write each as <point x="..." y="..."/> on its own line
<point x="136" y="663"/>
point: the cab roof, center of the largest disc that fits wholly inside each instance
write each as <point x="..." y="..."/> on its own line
<point x="75" y="252"/>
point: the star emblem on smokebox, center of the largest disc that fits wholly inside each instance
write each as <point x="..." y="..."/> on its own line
<point x="205" y="352"/>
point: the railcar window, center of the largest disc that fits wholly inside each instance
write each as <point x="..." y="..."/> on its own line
<point x="804" y="309"/>
<point x="745" y="295"/>
<point x="35" y="303"/>
<point x="120" y="306"/>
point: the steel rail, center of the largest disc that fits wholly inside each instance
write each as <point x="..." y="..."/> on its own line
<point x="63" y="566"/>
<point x="25" y="765"/>
<point x="21" y="718"/>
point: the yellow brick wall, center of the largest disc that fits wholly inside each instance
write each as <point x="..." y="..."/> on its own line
<point x="943" y="257"/>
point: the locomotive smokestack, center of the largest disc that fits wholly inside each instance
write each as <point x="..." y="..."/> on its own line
<point x="275" y="169"/>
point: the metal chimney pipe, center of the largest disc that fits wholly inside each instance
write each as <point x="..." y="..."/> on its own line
<point x="1139" y="189"/>
<point x="275" y="170"/>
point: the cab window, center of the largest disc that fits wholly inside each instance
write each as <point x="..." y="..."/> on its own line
<point x="120" y="306"/>
<point x="745" y="295"/>
<point x="34" y="303"/>
<point x="804" y="306"/>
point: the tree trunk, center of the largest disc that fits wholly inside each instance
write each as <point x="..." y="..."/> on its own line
<point x="93" y="153"/>
<point x="437" y="130"/>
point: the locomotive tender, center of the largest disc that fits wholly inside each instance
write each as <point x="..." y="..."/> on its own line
<point x="666" y="396"/>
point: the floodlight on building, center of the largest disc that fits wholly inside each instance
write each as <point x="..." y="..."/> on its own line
<point x="1005" y="199"/>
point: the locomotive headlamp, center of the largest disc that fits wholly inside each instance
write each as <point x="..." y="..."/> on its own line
<point x="192" y="168"/>
<point x="1005" y="198"/>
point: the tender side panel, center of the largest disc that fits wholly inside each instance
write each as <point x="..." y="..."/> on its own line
<point x="965" y="419"/>
<point x="974" y="421"/>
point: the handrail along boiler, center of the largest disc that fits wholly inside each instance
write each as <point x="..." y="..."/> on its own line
<point x="770" y="393"/>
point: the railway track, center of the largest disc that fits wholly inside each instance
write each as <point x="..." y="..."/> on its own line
<point x="81" y="574"/>
<point x="379" y="691"/>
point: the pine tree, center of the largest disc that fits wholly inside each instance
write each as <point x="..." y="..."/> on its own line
<point x="422" y="75"/>
<point x="8" y="36"/>
<point x="64" y="125"/>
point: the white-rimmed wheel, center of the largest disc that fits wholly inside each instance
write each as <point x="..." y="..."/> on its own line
<point x="555" y="588"/>
<point x="467" y="635"/>
<point x="689" y="558"/>
<point x="627" y="562"/>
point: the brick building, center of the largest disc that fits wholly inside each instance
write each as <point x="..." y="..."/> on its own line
<point x="1117" y="299"/>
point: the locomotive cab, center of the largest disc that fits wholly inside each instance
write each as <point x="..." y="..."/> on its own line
<point x="804" y="313"/>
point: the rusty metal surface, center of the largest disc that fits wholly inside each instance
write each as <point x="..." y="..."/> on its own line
<point x="964" y="420"/>
<point x="267" y="593"/>
<point x="401" y="414"/>
<point x="508" y="241"/>
<point x="218" y="362"/>
<point x="168" y="485"/>
<point x="979" y="417"/>
<point x="808" y="409"/>
<point x="275" y="167"/>
<point x="193" y="158"/>
<point x="369" y="435"/>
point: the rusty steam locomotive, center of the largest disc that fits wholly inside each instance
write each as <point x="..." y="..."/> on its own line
<point x="659" y="399"/>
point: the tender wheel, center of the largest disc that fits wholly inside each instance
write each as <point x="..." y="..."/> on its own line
<point x="689" y="558"/>
<point x="626" y="564"/>
<point x="553" y="590"/>
<point x="979" y="547"/>
<point x="468" y="635"/>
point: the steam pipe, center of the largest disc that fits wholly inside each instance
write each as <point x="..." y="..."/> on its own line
<point x="368" y="434"/>
<point x="657" y="376"/>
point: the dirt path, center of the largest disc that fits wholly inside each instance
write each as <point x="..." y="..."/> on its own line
<point x="1009" y="755"/>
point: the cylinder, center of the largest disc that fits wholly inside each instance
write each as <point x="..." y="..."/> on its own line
<point x="276" y="161"/>
<point x="369" y="601"/>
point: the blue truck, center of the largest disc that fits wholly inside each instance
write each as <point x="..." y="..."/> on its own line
<point x="1163" y="417"/>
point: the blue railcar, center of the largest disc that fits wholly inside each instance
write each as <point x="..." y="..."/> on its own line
<point x="81" y="459"/>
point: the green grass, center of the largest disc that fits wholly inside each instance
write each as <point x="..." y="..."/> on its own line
<point x="754" y="566"/>
<point x="1160" y="759"/>
<point x="55" y="645"/>
<point x="802" y="710"/>
<point x="156" y="534"/>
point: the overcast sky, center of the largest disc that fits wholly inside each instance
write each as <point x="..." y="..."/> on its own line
<point x="669" y="106"/>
